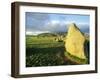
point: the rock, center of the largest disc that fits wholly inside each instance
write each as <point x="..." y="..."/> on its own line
<point x="74" y="42"/>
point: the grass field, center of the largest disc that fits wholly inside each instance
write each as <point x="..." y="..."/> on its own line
<point x="45" y="51"/>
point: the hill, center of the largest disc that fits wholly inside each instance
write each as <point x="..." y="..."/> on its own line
<point x="56" y="34"/>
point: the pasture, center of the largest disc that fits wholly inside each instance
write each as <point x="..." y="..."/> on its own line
<point x="44" y="51"/>
<point x="48" y="51"/>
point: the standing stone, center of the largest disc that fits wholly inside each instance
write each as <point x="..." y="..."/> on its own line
<point x="74" y="42"/>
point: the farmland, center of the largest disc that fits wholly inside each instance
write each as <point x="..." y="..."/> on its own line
<point x="45" y="50"/>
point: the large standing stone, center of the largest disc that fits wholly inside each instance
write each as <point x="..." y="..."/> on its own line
<point x="74" y="42"/>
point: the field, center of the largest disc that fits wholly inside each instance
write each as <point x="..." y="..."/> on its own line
<point x="48" y="50"/>
<point x="44" y="51"/>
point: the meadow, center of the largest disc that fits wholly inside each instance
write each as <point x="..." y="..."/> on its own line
<point x="47" y="50"/>
<point x="44" y="51"/>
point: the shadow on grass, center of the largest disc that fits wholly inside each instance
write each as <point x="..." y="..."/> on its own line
<point x="50" y="50"/>
<point x="87" y="50"/>
<point x="51" y="56"/>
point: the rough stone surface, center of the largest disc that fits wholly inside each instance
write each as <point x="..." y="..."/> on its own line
<point x="74" y="42"/>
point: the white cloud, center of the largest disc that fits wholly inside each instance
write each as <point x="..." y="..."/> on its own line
<point x="35" y="32"/>
<point x="69" y="22"/>
<point x="55" y="22"/>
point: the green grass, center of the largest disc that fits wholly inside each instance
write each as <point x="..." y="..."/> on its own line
<point x="75" y="59"/>
<point x="46" y="51"/>
<point x="43" y="51"/>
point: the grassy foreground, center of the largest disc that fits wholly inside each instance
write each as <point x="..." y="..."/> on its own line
<point x="75" y="59"/>
<point x="46" y="51"/>
<point x="43" y="51"/>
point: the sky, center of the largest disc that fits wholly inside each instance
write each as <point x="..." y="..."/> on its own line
<point x="37" y="23"/>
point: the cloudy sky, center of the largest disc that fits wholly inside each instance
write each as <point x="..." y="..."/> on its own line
<point x="46" y="22"/>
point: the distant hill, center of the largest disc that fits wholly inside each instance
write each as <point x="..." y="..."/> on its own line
<point x="52" y="34"/>
<point x="61" y="33"/>
<point x="86" y="36"/>
<point x="46" y="34"/>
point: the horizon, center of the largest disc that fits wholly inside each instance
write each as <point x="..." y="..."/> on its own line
<point x="40" y="32"/>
